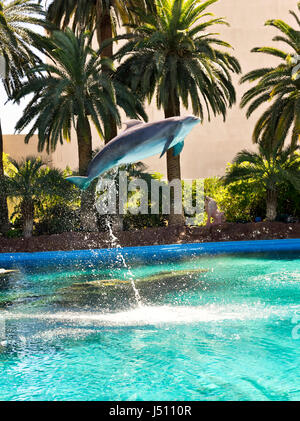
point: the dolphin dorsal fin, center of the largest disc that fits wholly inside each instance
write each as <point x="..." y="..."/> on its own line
<point x="131" y="123"/>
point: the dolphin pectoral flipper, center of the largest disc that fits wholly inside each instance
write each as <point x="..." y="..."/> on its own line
<point x="167" y="145"/>
<point x="178" y="148"/>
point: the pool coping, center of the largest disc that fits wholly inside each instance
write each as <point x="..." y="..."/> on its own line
<point x="154" y="253"/>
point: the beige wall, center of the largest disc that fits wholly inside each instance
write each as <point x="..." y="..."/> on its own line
<point x="14" y="146"/>
<point x="212" y="145"/>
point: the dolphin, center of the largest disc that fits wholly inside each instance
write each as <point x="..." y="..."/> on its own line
<point x="138" y="141"/>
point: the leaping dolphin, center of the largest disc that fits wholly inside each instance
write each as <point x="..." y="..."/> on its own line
<point x="137" y="142"/>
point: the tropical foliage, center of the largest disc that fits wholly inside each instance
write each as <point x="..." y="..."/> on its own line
<point x="267" y="169"/>
<point x="73" y="92"/>
<point x="69" y="92"/>
<point x="29" y="183"/>
<point x="16" y="56"/>
<point x="172" y="55"/>
<point x="238" y="200"/>
<point x="17" y="38"/>
<point x="102" y="16"/>
<point x="54" y="213"/>
<point x="278" y="85"/>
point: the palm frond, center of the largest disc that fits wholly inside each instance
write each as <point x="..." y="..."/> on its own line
<point x="277" y="85"/>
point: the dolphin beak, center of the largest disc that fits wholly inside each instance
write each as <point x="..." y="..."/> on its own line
<point x="194" y="121"/>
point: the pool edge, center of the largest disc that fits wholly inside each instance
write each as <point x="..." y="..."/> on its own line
<point x="149" y="252"/>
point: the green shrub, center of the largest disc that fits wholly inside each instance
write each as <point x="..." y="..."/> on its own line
<point x="140" y="221"/>
<point x="242" y="203"/>
<point x="289" y="201"/>
<point x="58" y="219"/>
<point x="14" y="233"/>
<point x="238" y="201"/>
<point x="51" y="202"/>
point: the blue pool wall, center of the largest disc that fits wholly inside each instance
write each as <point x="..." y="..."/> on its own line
<point x="144" y="254"/>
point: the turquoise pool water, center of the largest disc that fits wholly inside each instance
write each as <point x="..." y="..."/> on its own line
<point x="224" y="334"/>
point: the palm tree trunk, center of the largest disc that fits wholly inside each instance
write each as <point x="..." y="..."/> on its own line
<point x="105" y="32"/>
<point x="104" y="28"/>
<point x="173" y="162"/>
<point x="4" y="222"/>
<point x="271" y="202"/>
<point x="27" y="210"/>
<point x="85" y="151"/>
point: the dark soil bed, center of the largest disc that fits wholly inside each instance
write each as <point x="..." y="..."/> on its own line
<point x="153" y="236"/>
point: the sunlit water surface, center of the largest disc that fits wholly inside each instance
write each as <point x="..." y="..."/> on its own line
<point x="225" y="334"/>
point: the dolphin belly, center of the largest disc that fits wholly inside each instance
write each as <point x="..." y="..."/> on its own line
<point x="142" y="152"/>
<point x="146" y="150"/>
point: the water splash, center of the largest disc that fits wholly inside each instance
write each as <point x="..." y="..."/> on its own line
<point x="115" y="242"/>
<point x="161" y="315"/>
<point x="116" y="245"/>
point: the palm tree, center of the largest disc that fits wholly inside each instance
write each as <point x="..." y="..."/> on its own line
<point x="171" y="55"/>
<point x="279" y="85"/>
<point x="267" y="170"/>
<point x="4" y="222"/>
<point x="74" y="91"/>
<point x="101" y="15"/>
<point x="28" y="182"/>
<point x="16" y="41"/>
<point x="96" y="14"/>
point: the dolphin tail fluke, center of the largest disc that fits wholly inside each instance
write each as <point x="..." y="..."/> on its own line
<point x="81" y="182"/>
